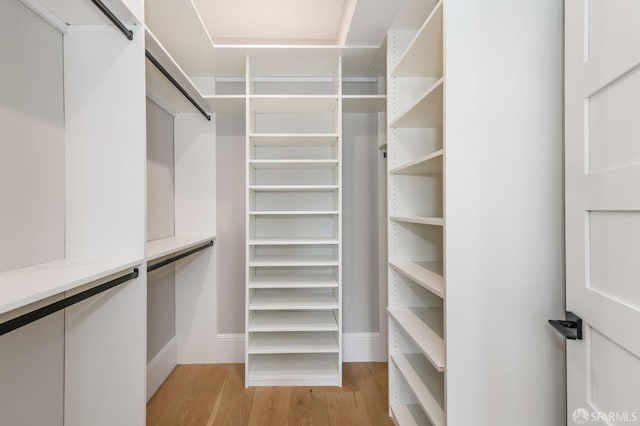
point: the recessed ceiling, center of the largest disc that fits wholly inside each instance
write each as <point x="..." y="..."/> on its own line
<point x="274" y="21"/>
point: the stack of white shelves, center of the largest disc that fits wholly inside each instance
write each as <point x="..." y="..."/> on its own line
<point x="294" y="208"/>
<point x="417" y="358"/>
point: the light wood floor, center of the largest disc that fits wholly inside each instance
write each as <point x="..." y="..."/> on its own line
<point x="207" y="395"/>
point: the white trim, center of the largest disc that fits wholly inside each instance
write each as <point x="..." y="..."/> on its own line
<point x="230" y="348"/>
<point x="46" y="14"/>
<point x="363" y="347"/>
<point x="159" y="368"/>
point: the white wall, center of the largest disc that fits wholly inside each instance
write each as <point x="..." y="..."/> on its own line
<point x="504" y="212"/>
<point x="160" y="224"/>
<point x="32" y="122"/>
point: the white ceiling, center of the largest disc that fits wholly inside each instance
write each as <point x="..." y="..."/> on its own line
<point x="272" y="21"/>
<point x="297" y="22"/>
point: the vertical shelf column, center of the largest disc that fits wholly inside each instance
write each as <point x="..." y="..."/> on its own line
<point x="294" y="231"/>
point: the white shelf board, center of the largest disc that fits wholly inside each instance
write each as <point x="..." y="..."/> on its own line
<point x="293" y="299"/>
<point x="422" y="220"/>
<point x="294" y="369"/>
<point x="84" y="13"/>
<point x="293" y="139"/>
<point x="278" y="321"/>
<point x="426" y="165"/>
<point x="424" y="55"/>
<point x="22" y="287"/>
<point x="426" y="112"/>
<point x="364" y="103"/>
<point x="166" y="246"/>
<point x="293" y="342"/>
<point x="292" y="164"/>
<point x="424" y="327"/>
<point x="295" y="213"/>
<point x="225" y="103"/>
<point x="293" y="188"/>
<point x="409" y="415"/>
<point x="292" y="103"/>
<point x="275" y="261"/>
<point x="159" y="89"/>
<point x="293" y="241"/>
<point x="293" y="281"/>
<point x="427" y="274"/>
<point x="426" y="384"/>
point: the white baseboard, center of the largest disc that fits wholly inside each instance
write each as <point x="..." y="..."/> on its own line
<point x="363" y="347"/>
<point x="229" y="348"/>
<point x="159" y="368"/>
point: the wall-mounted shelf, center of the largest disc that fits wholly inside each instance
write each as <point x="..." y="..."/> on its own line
<point x="293" y="281"/>
<point x="426" y="111"/>
<point x="424" y="327"/>
<point x="425" y="383"/>
<point x="166" y="246"/>
<point x="427" y="274"/>
<point x="293" y="342"/>
<point x="435" y="221"/>
<point x="272" y="321"/>
<point x="22" y="287"/>
<point x="293" y="299"/>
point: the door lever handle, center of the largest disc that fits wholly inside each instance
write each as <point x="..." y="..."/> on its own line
<point x="571" y="328"/>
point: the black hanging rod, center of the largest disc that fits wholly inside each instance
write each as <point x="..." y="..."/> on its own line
<point x="178" y="257"/>
<point x="29" y="317"/>
<point x="113" y="18"/>
<point x="169" y="77"/>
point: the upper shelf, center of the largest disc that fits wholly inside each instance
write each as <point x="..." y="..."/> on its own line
<point x="423" y="57"/>
<point x="81" y="12"/>
<point x="426" y="165"/>
<point x="426" y="111"/>
<point x="293" y="103"/>
<point x="166" y="246"/>
<point x="25" y="286"/>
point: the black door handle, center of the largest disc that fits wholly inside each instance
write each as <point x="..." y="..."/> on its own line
<point x="571" y="328"/>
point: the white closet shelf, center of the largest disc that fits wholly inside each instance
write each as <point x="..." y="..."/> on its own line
<point x="293" y="342"/>
<point x="293" y="241"/>
<point x="294" y="370"/>
<point x="428" y="274"/>
<point x="409" y="415"/>
<point x="426" y="165"/>
<point x="423" y="56"/>
<point x="364" y="103"/>
<point x="159" y="89"/>
<point x="166" y="246"/>
<point x="275" y="261"/>
<point x="293" y="139"/>
<point x="424" y="327"/>
<point x="84" y="13"/>
<point x="426" y="384"/>
<point x="292" y="164"/>
<point x="422" y="220"/>
<point x="293" y="188"/>
<point x="293" y="281"/>
<point x="426" y="112"/>
<point x="279" y="321"/>
<point x="22" y="287"/>
<point x="262" y="104"/>
<point x="293" y="299"/>
<point x="295" y="213"/>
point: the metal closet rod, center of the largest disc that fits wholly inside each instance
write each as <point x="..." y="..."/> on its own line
<point x="29" y="317"/>
<point x="169" y="77"/>
<point x="113" y="18"/>
<point x="178" y="257"/>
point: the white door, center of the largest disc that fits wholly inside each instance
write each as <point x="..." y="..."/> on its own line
<point x="602" y="86"/>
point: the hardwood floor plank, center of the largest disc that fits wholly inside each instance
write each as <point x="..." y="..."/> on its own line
<point x="214" y="395"/>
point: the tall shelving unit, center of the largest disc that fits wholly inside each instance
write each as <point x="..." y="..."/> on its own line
<point x="294" y="229"/>
<point x="417" y="358"/>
